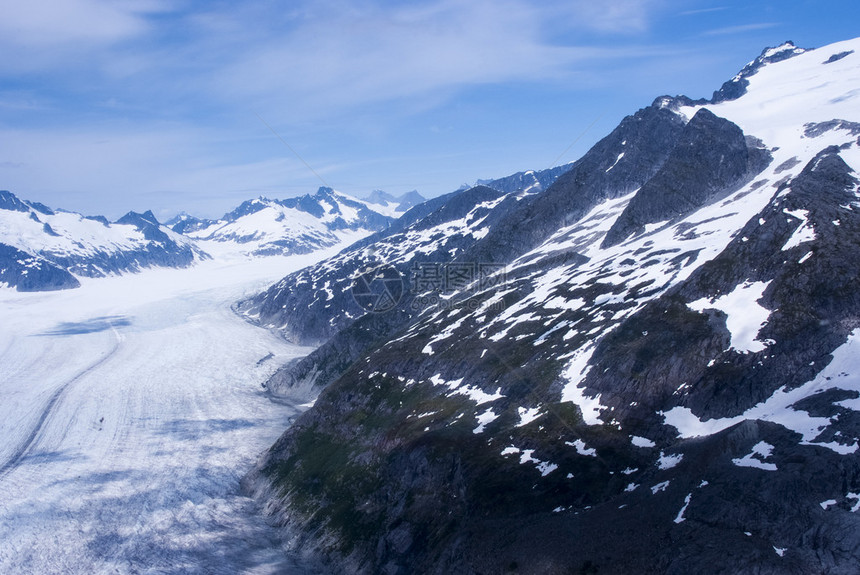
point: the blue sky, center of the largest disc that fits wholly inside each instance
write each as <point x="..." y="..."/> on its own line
<point x="107" y="106"/>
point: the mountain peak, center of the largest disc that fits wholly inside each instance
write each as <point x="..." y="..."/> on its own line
<point x="380" y="197"/>
<point x="180" y="217"/>
<point x="402" y="203"/>
<point x="737" y="86"/>
<point x="44" y="247"/>
<point x="784" y="51"/>
<point x="145" y="219"/>
<point x="408" y="200"/>
<point x="147" y="224"/>
<point x="9" y="201"/>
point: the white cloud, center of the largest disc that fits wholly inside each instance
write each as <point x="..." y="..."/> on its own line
<point x="51" y="35"/>
<point x="50" y="23"/>
<point x="312" y="58"/>
<point x="619" y="16"/>
<point x="335" y="59"/>
<point x="329" y="57"/>
<point x="730" y="30"/>
<point x="703" y="11"/>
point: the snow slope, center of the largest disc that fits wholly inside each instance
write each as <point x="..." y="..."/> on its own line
<point x="131" y="407"/>
<point x="782" y="98"/>
<point x="73" y="234"/>
<point x="91" y="246"/>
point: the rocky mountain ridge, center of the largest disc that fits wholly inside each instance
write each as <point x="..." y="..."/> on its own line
<point x="657" y="374"/>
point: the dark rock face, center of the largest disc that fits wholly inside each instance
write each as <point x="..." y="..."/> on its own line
<point x="317" y="304"/>
<point x="815" y="309"/>
<point x="399" y="472"/>
<point x="100" y="219"/>
<point x="625" y="160"/>
<point x="522" y="224"/>
<point x="146" y="223"/>
<point x="185" y="224"/>
<point x="711" y="159"/>
<point x="9" y="201"/>
<point x="304" y="312"/>
<point x="838" y="56"/>
<point x="816" y="129"/>
<point x="617" y="165"/>
<point x="159" y="250"/>
<point x="26" y="272"/>
<point x="300" y="302"/>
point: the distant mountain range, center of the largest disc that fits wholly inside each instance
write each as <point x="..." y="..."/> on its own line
<point x="43" y="249"/>
<point x="399" y="204"/>
<point x="46" y="249"/>
<point x="263" y="227"/>
<point x="647" y="365"/>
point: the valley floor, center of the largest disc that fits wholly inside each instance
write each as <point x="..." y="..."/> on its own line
<point x="129" y="409"/>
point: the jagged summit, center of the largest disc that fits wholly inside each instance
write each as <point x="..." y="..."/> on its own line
<point x="9" y="201"/>
<point x="380" y="197"/>
<point x="736" y="87"/>
<point x="144" y="219"/>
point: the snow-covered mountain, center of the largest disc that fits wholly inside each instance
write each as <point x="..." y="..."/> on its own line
<point x="45" y="249"/>
<point x="300" y="225"/>
<point x="650" y="366"/>
<point x="391" y="205"/>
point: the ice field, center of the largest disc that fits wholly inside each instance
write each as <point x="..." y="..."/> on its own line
<point x="129" y="409"/>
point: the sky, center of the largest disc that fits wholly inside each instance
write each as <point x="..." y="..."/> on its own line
<point x="185" y="105"/>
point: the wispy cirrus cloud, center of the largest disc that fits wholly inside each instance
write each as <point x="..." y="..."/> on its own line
<point x="704" y="11"/>
<point x="311" y="57"/>
<point x="740" y="29"/>
<point x="56" y="22"/>
<point x="620" y="16"/>
<point x="332" y="59"/>
<point x="49" y="35"/>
